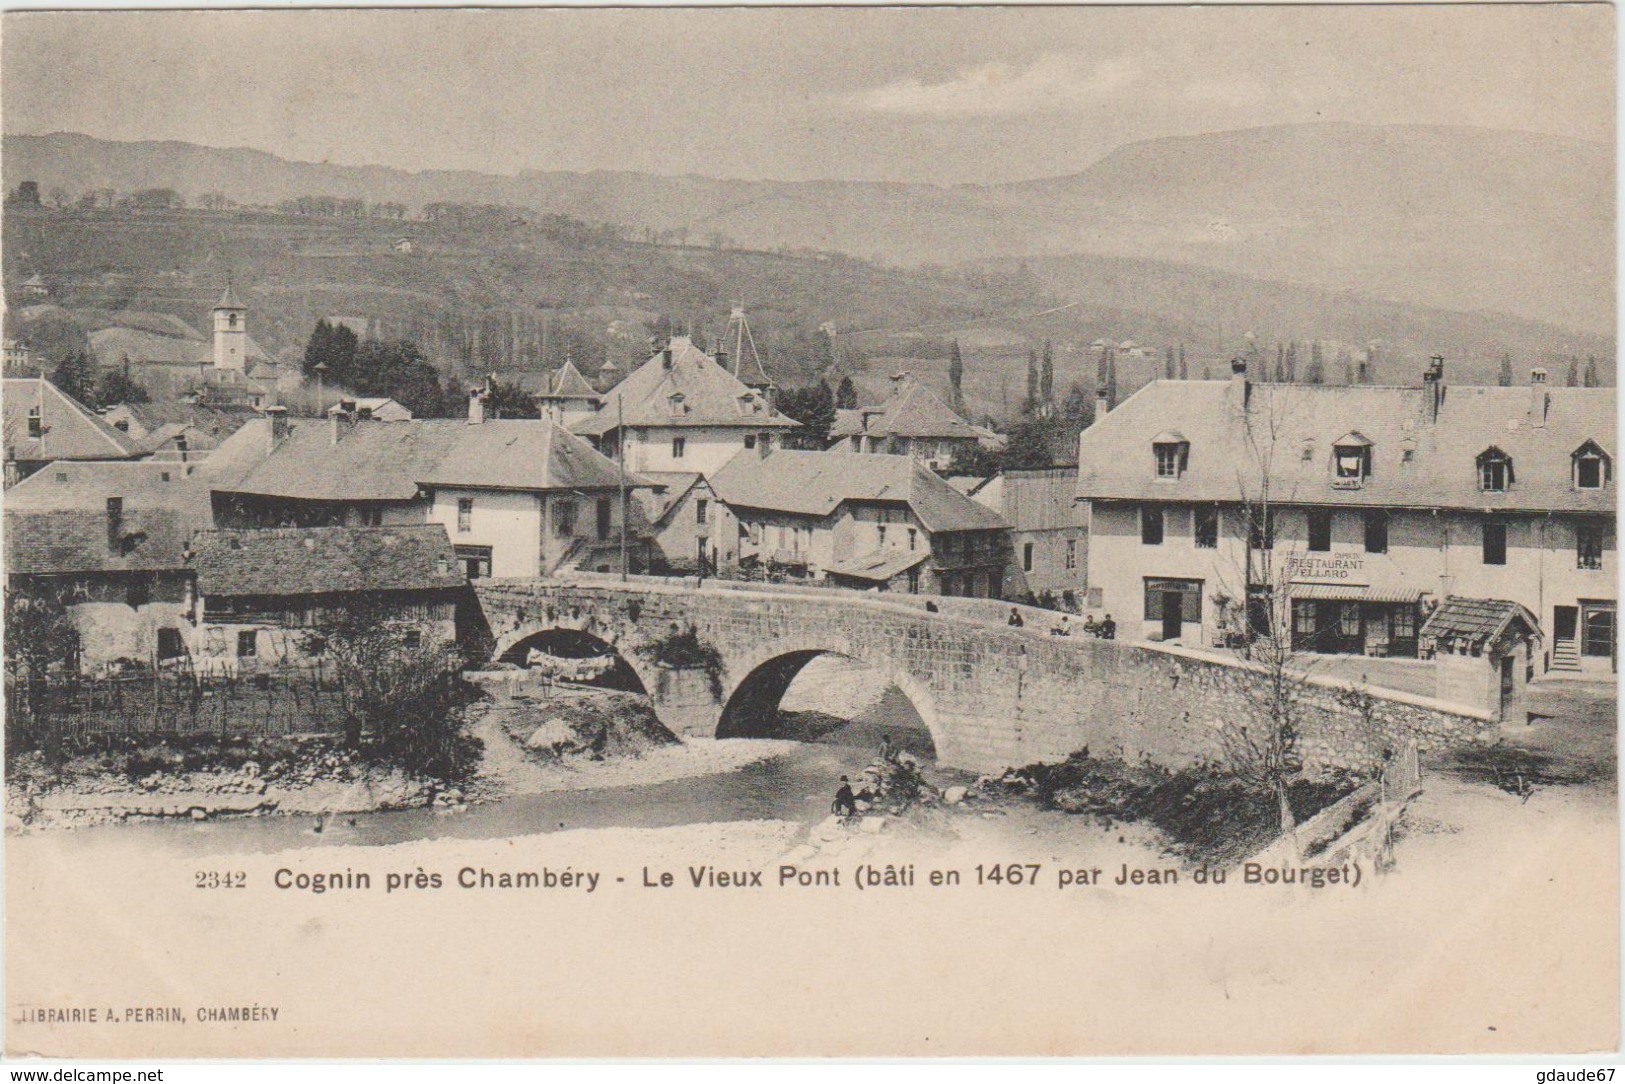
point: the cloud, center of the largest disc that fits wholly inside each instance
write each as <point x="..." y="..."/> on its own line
<point x="1055" y="82"/>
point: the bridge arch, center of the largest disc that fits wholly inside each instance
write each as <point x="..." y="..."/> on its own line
<point x="630" y="673"/>
<point x="756" y="687"/>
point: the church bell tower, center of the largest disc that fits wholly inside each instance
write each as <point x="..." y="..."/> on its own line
<point x="230" y="333"/>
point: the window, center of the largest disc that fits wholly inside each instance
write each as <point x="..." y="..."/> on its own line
<point x="372" y="517"/>
<point x="170" y="644"/>
<point x="1151" y="526"/>
<point x="138" y="592"/>
<point x="678" y="446"/>
<point x="1494" y="471"/>
<point x="1172" y="453"/>
<point x="750" y="440"/>
<point x="1376" y="531"/>
<point x="36" y="424"/>
<point x="1591" y="466"/>
<point x="1320" y="531"/>
<point x="1071" y="553"/>
<point x="604" y="513"/>
<point x="1588" y="543"/>
<point x="1495" y="543"/>
<point x="1261" y="528"/>
<point x="248" y="644"/>
<point x="115" y="524"/>
<point x="913" y="538"/>
<point x="1308" y="452"/>
<point x="882" y="532"/>
<point x="1303" y="618"/>
<point x="702" y="509"/>
<point x="564" y="519"/>
<point x="1348" y="620"/>
<point x="1026" y="557"/>
<point x="476" y="561"/>
<point x="1404" y="623"/>
<point x="465" y="514"/>
<point x="1351" y="461"/>
<point x="1205" y="522"/>
<point x="412" y="639"/>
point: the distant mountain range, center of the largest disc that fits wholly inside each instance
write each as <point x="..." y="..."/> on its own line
<point x="1453" y="218"/>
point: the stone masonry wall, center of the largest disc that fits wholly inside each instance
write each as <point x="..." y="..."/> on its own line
<point x="992" y="696"/>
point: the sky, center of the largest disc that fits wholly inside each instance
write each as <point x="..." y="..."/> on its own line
<point x="922" y="95"/>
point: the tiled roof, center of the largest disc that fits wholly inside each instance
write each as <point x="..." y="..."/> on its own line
<point x="530" y="454"/>
<point x="568" y="383"/>
<point x="913" y="410"/>
<point x="72" y="430"/>
<point x="228" y="300"/>
<point x="710" y="396"/>
<point x="1476" y="620"/>
<point x="218" y="421"/>
<point x="325" y="560"/>
<point x="1295" y="427"/>
<point x="56" y="520"/>
<point x="381" y="461"/>
<point x="816" y="483"/>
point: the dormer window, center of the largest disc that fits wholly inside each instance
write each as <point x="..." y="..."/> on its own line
<point x="1172" y="452"/>
<point x="1494" y="471"/>
<point x="676" y="403"/>
<point x="1592" y="467"/>
<point x="1307" y="454"/>
<point x="1351" y="461"/>
<point x="36" y="423"/>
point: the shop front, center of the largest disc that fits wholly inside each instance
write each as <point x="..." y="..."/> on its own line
<point x="1333" y="619"/>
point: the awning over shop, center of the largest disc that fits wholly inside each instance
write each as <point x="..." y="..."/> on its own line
<point x="878" y="567"/>
<point x="1336" y="592"/>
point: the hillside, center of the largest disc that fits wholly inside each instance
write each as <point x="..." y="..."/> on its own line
<point x="523" y="296"/>
<point x="1448" y="217"/>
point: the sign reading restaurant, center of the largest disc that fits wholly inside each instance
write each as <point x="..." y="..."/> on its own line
<point x="1304" y="567"/>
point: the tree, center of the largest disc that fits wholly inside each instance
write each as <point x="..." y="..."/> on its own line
<point x="25" y="194"/>
<point x="1348" y="366"/>
<point x="1573" y="379"/>
<point x="118" y="386"/>
<point x="1030" y="444"/>
<point x="1316" y="372"/>
<point x="1111" y="379"/>
<point x="973" y="459"/>
<point x="60" y="197"/>
<point x="1031" y="405"/>
<point x="814" y="407"/>
<point x="846" y="394"/>
<point x="1292" y="363"/>
<point x="76" y="375"/>
<point x="1169" y="366"/>
<point x="1505" y="377"/>
<point x="509" y="399"/>
<point x="1592" y="379"/>
<point x="333" y="345"/>
<point x="1184" y="372"/>
<point x="1046" y="378"/>
<point x="1280" y="364"/>
<point x="956" y="378"/>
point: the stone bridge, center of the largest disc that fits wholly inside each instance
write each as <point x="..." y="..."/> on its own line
<point x="992" y="696"/>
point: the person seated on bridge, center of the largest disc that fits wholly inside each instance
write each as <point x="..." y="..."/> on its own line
<point x="1015" y="618"/>
<point x="1091" y="626"/>
<point x="845" y="804"/>
<point x="1108" y="628"/>
<point x="930" y="607"/>
<point x="1063" y="628"/>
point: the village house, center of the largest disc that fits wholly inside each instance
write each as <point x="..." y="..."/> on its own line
<point x="568" y="398"/>
<point x="43" y="424"/>
<point x="689" y="527"/>
<point x="109" y="542"/>
<point x="372" y="408"/>
<point x="1048" y="535"/>
<point x="262" y="592"/>
<point x="177" y="431"/>
<point x="1365" y="505"/>
<point x="912" y="421"/>
<point x="883" y="522"/>
<point x="518" y="497"/>
<point x="682" y="410"/>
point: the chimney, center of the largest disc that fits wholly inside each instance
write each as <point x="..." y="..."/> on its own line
<point x="180" y="445"/>
<point x="1241" y="389"/>
<point x="666" y="356"/>
<point x="1433" y="387"/>
<point x="1540" y="400"/>
<point x="476" y="406"/>
<point x="336" y="421"/>
<point x="276" y="420"/>
<point x="722" y="356"/>
<point x="1103" y="404"/>
<point x="899" y="380"/>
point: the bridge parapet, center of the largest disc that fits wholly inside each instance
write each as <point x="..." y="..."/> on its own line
<point x="992" y="696"/>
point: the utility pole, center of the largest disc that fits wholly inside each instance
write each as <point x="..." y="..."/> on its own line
<point x="620" y="466"/>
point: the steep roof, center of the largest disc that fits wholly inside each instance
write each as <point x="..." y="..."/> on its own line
<point x="218" y="421"/>
<point x="879" y="566"/>
<point x="816" y="483"/>
<point x="1294" y="428"/>
<point x="529" y="454"/>
<point x="673" y="486"/>
<point x="71" y="429"/>
<point x="913" y="410"/>
<point x="710" y="396"/>
<point x="228" y="300"/>
<point x="568" y="383"/>
<point x="325" y="560"/>
<point x="56" y="520"/>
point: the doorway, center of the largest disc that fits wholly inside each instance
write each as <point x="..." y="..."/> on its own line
<point x="1597" y="630"/>
<point x="1508" y="683"/>
<point x="1173" y="614"/>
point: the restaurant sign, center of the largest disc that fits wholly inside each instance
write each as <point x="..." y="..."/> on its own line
<point x="1346" y="568"/>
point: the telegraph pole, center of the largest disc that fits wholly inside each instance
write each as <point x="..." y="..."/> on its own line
<point x="620" y="466"/>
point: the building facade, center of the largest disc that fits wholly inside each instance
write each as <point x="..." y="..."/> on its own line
<point x="1365" y="506"/>
<point x="1048" y="535"/>
<point x="912" y="421"/>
